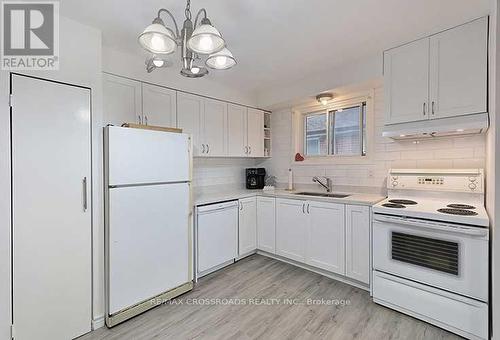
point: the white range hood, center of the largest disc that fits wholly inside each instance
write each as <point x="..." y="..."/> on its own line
<point x="453" y="126"/>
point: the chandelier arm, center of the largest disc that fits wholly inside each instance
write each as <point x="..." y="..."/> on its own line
<point x="198" y="16"/>
<point x="163" y="10"/>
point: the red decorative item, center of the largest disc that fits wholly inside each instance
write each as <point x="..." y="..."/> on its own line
<point x="299" y="157"/>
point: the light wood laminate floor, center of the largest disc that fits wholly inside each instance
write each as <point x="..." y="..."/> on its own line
<point x="258" y="279"/>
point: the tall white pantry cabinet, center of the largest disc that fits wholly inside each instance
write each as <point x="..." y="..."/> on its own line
<point x="51" y="209"/>
<point x="218" y="128"/>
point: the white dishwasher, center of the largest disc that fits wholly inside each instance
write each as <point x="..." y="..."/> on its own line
<point x="216" y="236"/>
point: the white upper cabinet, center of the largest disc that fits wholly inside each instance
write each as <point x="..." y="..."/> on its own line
<point x="266" y="224"/>
<point x="237" y="131"/>
<point x="255" y="130"/>
<point x="458" y="70"/>
<point x="218" y="129"/>
<point x="326" y="236"/>
<point x="291" y="229"/>
<point x="159" y="106"/>
<point x="247" y="225"/>
<point x="189" y="118"/>
<point x="122" y="100"/>
<point x="358" y="243"/>
<point x="444" y="75"/>
<point x="214" y="127"/>
<point x="406" y="82"/>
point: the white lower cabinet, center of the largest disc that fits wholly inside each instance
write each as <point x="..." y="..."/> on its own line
<point x="357" y="235"/>
<point x="247" y="225"/>
<point x="266" y="224"/>
<point x="291" y="229"/>
<point x="330" y="236"/>
<point x="325" y="247"/>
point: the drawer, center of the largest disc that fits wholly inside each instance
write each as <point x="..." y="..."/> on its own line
<point x="456" y="313"/>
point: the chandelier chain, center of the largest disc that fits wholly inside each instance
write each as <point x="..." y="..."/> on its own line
<point x="187" y="12"/>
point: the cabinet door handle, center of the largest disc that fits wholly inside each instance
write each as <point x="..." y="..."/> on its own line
<point x="84" y="193"/>
<point x="202" y="148"/>
<point x="433" y="107"/>
<point x="308" y="205"/>
<point x="423" y="110"/>
<point x="146" y="119"/>
<point x="139" y="119"/>
<point x="250" y="150"/>
<point x="246" y="150"/>
<point x="208" y="148"/>
<point x="303" y="208"/>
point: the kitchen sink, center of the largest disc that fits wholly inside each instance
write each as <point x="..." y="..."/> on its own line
<point x="321" y="194"/>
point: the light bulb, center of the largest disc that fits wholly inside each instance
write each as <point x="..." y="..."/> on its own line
<point x="158" y="62"/>
<point x="221" y="60"/>
<point x="324" y="101"/>
<point x="157" y="42"/>
<point x="206" y="43"/>
<point x="195" y="70"/>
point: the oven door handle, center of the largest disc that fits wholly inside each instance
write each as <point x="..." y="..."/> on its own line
<point x="472" y="231"/>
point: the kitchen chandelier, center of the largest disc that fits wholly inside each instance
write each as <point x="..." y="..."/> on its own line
<point x="194" y="40"/>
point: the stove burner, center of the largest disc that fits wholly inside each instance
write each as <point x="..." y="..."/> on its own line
<point x="392" y="205"/>
<point x="405" y="202"/>
<point x="461" y="206"/>
<point x="461" y="212"/>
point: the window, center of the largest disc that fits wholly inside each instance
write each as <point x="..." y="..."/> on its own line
<point x="338" y="132"/>
<point x="316" y="143"/>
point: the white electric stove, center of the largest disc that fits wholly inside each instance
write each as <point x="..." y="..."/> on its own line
<point x="430" y="248"/>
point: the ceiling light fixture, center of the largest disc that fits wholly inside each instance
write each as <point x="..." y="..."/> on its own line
<point x="324" y="98"/>
<point x="194" y="40"/>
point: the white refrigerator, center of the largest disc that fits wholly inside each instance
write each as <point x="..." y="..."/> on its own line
<point x="148" y="214"/>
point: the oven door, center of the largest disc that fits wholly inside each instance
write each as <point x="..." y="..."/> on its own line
<point x="447" y="256"/>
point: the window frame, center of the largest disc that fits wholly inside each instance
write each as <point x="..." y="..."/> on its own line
<point x="363" y="127"/>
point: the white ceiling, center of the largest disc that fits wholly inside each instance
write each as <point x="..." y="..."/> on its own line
<point x="281" y="41"/>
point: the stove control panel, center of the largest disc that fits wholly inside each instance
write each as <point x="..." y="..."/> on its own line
<point x="431" y="180"/>
<point x="436" y="180"/>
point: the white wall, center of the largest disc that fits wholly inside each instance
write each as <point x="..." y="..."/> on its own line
<point x="80" y="63"/>
<point x="493" y="164"/>
<point x="132" y="66"/>
<point x="383" y="153"/>
<point x="226" y="172"/>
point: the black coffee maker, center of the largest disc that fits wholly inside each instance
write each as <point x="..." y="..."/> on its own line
<point x="255" y="178"/>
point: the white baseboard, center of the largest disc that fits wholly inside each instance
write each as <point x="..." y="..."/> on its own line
<point x="317" y="270"/>
<point x="98" y="322"/>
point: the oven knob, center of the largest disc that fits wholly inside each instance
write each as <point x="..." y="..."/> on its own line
<point x="472" y="186"/>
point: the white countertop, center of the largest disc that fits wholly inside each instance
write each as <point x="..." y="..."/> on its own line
<point x="213" y="196"/>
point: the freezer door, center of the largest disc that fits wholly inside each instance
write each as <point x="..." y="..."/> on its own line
<point x="136" y="156"/>
<point x="148" y="242"/>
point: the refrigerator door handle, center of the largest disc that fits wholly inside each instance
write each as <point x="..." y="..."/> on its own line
<point x="84" y="184"/>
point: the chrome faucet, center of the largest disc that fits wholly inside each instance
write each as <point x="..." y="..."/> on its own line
<point x="327" y="186"/>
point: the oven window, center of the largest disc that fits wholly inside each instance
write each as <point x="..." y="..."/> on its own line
<point x="425" y="252"/>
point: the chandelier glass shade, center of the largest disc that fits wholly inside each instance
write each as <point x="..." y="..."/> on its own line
<point x="196" y="40"/>
<point x="221" y="60"/>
